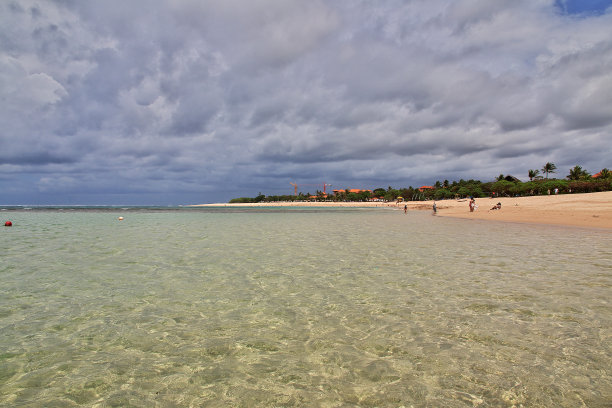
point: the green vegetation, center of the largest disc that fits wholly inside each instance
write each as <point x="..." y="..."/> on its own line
<point x="257" y="199"/>
<point x="549" y="168"/>
<point x="577" y="173"/>
<point x="534" y="174"/>
<point x="577" y="181"/>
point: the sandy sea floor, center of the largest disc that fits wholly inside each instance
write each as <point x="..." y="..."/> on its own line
<point x="301" y="307"/>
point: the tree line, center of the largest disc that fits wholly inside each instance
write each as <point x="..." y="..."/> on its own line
<point x="577" y="181"/>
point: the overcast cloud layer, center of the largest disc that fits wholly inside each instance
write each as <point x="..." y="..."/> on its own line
<point x="178" y="102"/>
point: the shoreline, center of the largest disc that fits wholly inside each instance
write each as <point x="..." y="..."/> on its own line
<point x="367" y="204"/>
<point x="589" y="210"/>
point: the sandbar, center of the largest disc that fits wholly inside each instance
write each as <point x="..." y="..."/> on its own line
<point x="590" y="210"/>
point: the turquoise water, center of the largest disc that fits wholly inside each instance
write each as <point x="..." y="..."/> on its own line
<point x="279" y="308"/>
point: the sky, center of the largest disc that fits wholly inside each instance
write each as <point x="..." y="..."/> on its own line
<point x="172" y="102"/>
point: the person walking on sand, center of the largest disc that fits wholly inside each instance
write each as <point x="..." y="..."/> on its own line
<point x="405" y="209"/>
<point x="472" y="205"/>
<point x="435" y="209"/>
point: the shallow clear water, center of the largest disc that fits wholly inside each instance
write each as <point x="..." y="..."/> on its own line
<point x="326" y="307"/>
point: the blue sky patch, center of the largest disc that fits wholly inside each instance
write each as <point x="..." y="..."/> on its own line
<point x="586" y="7"/>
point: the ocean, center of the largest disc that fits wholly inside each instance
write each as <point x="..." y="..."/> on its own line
<point x="300" y="307"/>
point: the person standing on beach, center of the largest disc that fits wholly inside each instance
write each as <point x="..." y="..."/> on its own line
<point x="472" y="205"/>
<point x="435" y="209"/>
<point x="405" y="209"/>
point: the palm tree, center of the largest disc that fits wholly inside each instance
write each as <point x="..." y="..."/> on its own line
<point x="578" y="173"/>
<point x="605" y="173"/>
<point x="500" y="177"/>
<point x="549" y="168"/>
<point x="533" y="174"/>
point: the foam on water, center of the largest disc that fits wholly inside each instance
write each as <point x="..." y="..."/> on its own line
<point x="321" y="307"/>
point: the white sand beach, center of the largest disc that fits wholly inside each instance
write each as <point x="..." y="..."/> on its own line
<point x="582" y="210"/>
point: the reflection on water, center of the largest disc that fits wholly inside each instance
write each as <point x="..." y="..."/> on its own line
<point x="293" y="308"/>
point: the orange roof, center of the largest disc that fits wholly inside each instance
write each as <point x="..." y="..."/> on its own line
<point x="598" y="175"/>
<point x="426" y="188"/>
<point x="352" y="190"/>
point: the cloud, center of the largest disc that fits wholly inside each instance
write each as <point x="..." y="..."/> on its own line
<point x="202" y="101"/>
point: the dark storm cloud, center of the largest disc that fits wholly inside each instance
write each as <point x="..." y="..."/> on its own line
<point x="211" y="99"/>
<point x="35" y="158"/>
<point x="521" y="151"/>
